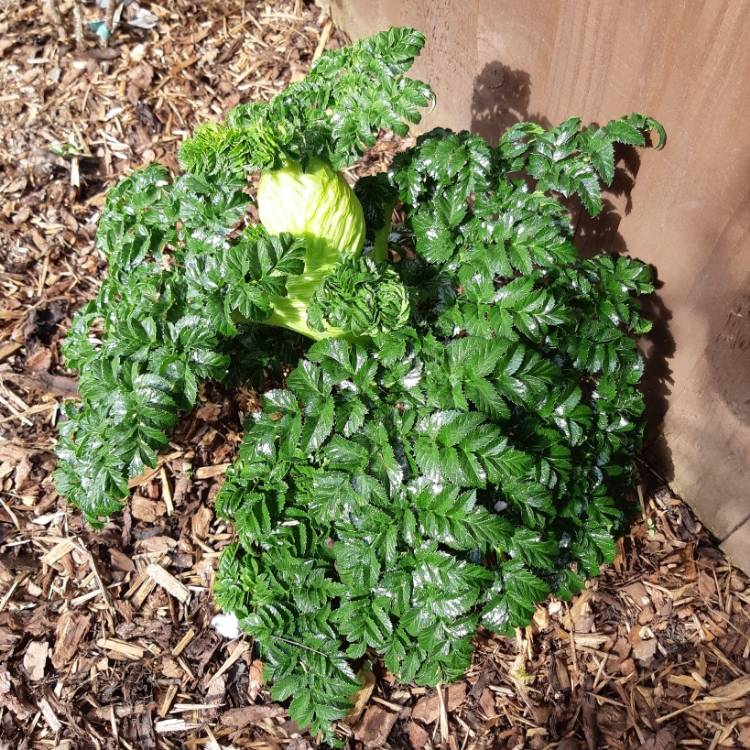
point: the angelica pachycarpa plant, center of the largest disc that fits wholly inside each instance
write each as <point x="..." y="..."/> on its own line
<point x="457" y="442"/>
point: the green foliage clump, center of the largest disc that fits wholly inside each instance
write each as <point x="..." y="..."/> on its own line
<point x="457" y="445"/>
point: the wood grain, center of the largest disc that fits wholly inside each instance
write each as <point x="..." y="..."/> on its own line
<point x="686" y="209"/>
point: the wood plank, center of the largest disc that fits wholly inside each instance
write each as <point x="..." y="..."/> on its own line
<point x="495" y="62"/>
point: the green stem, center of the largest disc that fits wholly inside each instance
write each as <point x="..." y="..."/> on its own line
<point x="380" y="237"/>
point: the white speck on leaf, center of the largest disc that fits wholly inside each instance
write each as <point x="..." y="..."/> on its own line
<point x="412" y="378"/>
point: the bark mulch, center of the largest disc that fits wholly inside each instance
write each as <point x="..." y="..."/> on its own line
<point x="106" y="638"/>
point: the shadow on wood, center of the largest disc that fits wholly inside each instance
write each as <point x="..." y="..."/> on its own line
<point x="500" y="100"/>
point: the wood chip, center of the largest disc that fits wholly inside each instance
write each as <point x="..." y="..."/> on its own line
<point x="590" y="640"/>
<point x="169" y="696"/>
<point x="427" y="709"/>
<point x="208" y="472"/>
<point x="684" y="680"/>
<point x="362" y="696"/>
<point x="70" y="631"/>
<point x="120" y="561"/>
<point x="38" y="409"/>
<point x="738" y="688"/>
<point x="255" y="679"/>
<point x="663" y="740"/>
<point x="418" y="737"/>
<point x="19" y="579"/>
<point x="146" y="510"/>
<point x="443" y="714"/>
<point x="375" y="726"/>
<point x="105" y="713"/>
<point x="142" y="479"/>
<point x="128" y="650"/>
<point x="166" y="492"/>
<point x="168" y="582"/>
<point x="49" y="715"/>
<point x="141" y="592"/>
<point x="186" y="668"/>
<point x="169" y="726"/>
<point x="181" y="708"/>
<point x="35" y="659"/>
<point x="149" y="474"/>
<point x="183" y="642"/>
<point x="59" y="551"/>
<point x="237" y="718"/>
<point x="325" y="35"/>
<point x="6" y="350"/>
<point x="200" y="522"/>
<point x="239" y="649"/>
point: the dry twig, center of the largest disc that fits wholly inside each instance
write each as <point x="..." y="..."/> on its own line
<point x="54" y="17"/>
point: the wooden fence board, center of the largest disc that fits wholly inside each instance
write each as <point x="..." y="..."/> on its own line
<point x="686" y="209"/>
